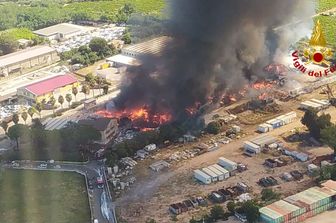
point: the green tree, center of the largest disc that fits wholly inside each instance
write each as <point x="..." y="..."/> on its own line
<point x="213" y="128"/>
<point x="16" y="118"/>
<point x="85" y="90"/>
<point x="24" y="116"/>
<point x="316" y="123"/>
<point x="99" y="82"/>
<point x="17" y="131"/>
<point x="7" y="44"/>
<point x="31" y="112"/>
<point x="61" y="100"/>
<point x="39" y="107"/>
<point x="52" y="102"/>
<point x="127" y="37"/>
<point x="105" y="89"/>
<point x="100" y="47"/>
<point x="217" y="212"/>
<point x="251" y="211"/>
<point x="267" y="194"/>
<point x="231" y="206"/>
<point x="75" y="92"/>
<point x="328" y="136"/>
<point x="68" y="98"/>
<point x="4" y="125"/>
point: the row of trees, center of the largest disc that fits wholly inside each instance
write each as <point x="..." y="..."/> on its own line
<point x="73" y="138"/>
<point x="39" y="14"/>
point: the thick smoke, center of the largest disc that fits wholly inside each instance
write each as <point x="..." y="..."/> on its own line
<point x="217" y="46"/>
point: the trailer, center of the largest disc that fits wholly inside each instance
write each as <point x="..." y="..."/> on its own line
<point x="224" y="171"/>
<point x="214" y="176"/>
<point x="264" y="128"/>
<point x="202" y="177"/>
<point x="251" y="149"/>
<point x="220" y="174"/>
<point x="227" y="164"/>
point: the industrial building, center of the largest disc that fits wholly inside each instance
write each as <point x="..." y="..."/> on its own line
<point x="43" y="90"/>
<point x="108" y="128"/>
<point x="299" y="207"/>
<point x="60" y="31"/>
<point x="27" y="60"/>
<point x="254" y="146"/>
<point x="130" y="55"/>
<point x="277" y="122"/>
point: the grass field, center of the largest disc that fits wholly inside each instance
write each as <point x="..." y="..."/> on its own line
<point x="328" y="22"/>
<point x="43" y="196"/>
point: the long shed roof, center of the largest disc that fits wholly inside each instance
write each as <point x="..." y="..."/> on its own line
<point x="25" y="54"/>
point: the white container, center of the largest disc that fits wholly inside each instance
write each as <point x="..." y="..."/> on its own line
<point x="214" y="176"/>
<point x="202" y="177"/>
<point x="227" y="164"/>
<point x="224" y="171"/>
<point x="252" y="147"/>
<point x="264" y="128"/>
<point x="220" y="175"/>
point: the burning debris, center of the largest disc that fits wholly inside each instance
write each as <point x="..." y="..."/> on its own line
<point x="219" y="48"/>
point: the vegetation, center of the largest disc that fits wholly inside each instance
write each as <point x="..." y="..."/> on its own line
<point x="70" y="143"/>
<point x="268" y="195"/>
<point x="316" y="123"/>
<point x="328" y="22"/>
<point x="216" y="213"/>
<point x="35" y="14"/>
<point x="328" y="136"/>
<point x="251" y="210"/>
<point x="40" y="195"/>
<point x="213" y="128"/>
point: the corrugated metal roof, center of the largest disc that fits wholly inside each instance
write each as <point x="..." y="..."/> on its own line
<point x="283" y="207"/>
<point x="270" y="213"/>
<point x="154" y="46"/>
<point x="209" y="172"/>
<point x="25" y="54"/>
<point x="199" y="172"/>
<point x="263" y="139"/>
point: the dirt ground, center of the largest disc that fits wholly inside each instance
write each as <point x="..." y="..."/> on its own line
<point x="153" y="193"/>
<point x="326" y="217"/>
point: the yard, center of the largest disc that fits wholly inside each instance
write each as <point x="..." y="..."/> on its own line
<point x="43" y="196"/>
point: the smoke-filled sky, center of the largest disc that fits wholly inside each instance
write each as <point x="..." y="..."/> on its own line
<point x="220" y="45"/>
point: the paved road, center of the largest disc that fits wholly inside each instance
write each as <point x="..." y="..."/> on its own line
<point x="102" y="207"/>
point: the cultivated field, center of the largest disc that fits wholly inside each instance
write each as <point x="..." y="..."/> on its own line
<point x="42" y="196"/>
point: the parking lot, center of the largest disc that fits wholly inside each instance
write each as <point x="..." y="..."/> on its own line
<point x="107" y="32"/>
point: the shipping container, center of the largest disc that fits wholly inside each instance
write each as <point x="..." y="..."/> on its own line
<point x="264" y="128"/>
<point x="220" y="175"/>
<point x="223" y="170"/>
<point x="227" y="164"/>
<point x="202" y="177"/>
<point x="251" y="147"/>
<point x="214" y="176"/>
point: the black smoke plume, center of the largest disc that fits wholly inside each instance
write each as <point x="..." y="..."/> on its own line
<point x="217" y="46"/>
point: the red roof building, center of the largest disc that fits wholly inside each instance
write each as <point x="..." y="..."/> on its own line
<point x="61" y="84"/>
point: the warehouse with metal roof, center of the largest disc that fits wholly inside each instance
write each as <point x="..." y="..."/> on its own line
<point x="27" y="60"/>
<point x="60" y="31"/>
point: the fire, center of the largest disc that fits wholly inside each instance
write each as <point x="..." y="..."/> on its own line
<point x="140" y="117"/>
<point x="263" y="85"/>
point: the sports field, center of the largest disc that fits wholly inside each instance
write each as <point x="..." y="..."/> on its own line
<point x="43" y="196"/>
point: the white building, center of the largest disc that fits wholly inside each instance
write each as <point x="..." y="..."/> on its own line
<point x="60" y="31"/>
